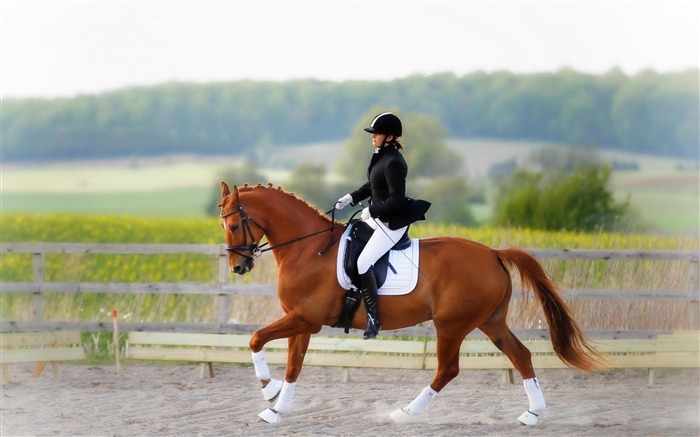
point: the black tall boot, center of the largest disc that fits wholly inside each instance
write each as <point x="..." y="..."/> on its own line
<point x="368" y="283"/>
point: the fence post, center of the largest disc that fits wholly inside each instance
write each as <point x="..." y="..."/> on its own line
<point x="37" y="298"/>
<point x="222" y="298"/>
<point x="695" y="280"/>
<point x="695" y="274"/>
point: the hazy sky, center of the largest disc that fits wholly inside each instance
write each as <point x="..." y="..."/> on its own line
<point x="61" y="48"/>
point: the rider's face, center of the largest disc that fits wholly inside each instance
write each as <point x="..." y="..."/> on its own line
<point x="378" y="140"/>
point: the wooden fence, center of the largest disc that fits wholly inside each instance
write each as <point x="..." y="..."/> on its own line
<point x="223" y="289"/>
<point x="677" y="350"/>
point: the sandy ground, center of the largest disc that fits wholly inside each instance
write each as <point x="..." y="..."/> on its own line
<point x="171" y="400"/>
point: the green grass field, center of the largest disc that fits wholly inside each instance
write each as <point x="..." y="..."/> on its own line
<point x="668" y="201"/>
<point x="175" y="202"/>
<point x="663" y="198"/>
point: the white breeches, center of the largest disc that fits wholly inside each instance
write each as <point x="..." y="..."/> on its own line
<point x="379" y="243"/>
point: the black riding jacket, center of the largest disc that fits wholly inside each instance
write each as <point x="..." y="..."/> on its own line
<point x="386" y="186"/>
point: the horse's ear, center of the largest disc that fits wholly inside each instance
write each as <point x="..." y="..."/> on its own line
<point x="235" y="192"/>
<point x="225" y="190"/>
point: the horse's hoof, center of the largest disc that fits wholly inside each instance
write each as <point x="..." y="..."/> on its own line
<point x="528" y="418"/>
<point x="270" y="416"/>
<point x="272" y="390"/>
<point x="400" y="416"/>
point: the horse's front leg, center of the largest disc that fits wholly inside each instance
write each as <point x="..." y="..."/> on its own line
<point x="298" y="331"/>
<point x="295" y="360"/>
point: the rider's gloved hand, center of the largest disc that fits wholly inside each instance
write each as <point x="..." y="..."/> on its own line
<point x="365" y="214"/>
<point x="343" y="201"/>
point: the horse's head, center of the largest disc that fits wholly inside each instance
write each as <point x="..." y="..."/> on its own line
<point x="243" y="233"/>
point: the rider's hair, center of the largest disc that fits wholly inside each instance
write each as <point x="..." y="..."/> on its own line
<point x="396" y="144"/>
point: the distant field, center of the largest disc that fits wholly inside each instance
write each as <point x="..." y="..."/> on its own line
<point x="666" y="199"/>
<point x="174" y="186"/>
<point x="116" y="176"/>
<point x="176" y="202"/>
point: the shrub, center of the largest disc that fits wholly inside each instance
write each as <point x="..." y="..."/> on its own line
<point x="580" y="200"/>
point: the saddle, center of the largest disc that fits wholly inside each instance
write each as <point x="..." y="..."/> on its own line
<point x="360" y="234"/>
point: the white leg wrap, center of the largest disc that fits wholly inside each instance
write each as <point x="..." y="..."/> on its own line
<point x="537" y="405"/>
<point x="261" y="369"/>
<point x="534" y="395"/>
<point x="282" y="406"/>
<point x="415" y="408"/>
<point x="419" y="404"/>
<point x="284" y="401"/>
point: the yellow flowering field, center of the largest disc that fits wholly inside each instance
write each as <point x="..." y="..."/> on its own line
<point x="569" y="274"/>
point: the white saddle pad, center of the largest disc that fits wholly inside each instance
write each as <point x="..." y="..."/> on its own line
<point x="405" y="262"/>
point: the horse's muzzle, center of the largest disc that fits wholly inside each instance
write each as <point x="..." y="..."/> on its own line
<point x="244" y="267"/>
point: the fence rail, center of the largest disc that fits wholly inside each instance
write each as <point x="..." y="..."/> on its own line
<point x="223" y="289"/>
<point x="220" y="249"/>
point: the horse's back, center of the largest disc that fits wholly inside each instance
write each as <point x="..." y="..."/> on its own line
<point x="465" y="261"/>
<point x="457" y="247"/>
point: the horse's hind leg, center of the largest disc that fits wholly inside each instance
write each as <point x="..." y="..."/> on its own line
<point x="504" y="339"/>
<point x="447" y="370"/>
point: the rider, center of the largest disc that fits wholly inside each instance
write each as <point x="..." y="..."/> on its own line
<point x="390" y="211"/>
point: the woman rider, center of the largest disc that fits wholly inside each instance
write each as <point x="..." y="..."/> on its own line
<point x="390" y="211"/>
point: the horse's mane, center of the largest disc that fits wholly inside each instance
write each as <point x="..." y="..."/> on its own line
<point x="270" y="188"/>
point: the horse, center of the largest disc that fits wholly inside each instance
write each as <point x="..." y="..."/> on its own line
<point x="463" y="285"/>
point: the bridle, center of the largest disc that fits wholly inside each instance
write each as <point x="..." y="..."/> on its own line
<point x="256" y="249"/>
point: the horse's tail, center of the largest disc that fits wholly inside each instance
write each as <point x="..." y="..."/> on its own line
<point x="569" y="343"/>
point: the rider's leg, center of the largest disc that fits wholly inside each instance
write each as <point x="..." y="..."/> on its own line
<point x="379" y="243"/>
<point x="368" y="285"/>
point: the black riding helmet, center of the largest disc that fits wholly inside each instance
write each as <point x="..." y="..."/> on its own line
<point x="385" y="123"/>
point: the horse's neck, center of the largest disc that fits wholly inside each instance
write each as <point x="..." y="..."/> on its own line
<point x="289" y="219"/>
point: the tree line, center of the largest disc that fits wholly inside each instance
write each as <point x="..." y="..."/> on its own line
<point x="649" y="112"/>
<point x="569" y="191"/>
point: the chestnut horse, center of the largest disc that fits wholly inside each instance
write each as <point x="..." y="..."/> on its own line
<point x="463" y="285"/>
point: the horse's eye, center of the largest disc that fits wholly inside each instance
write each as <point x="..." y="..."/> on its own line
<point x="234" y="228"/>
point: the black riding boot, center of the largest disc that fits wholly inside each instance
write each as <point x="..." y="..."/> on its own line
<point x="369" y="294"/>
